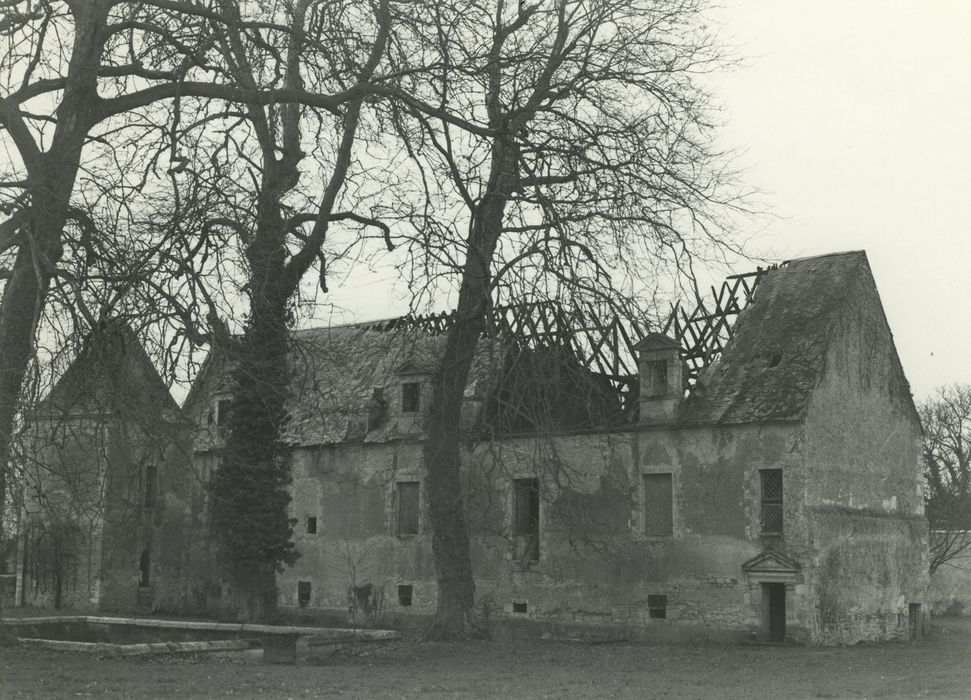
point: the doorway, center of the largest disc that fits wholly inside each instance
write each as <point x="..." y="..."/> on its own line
<point x="774" y="611"/>
<point x="914" y="620"/>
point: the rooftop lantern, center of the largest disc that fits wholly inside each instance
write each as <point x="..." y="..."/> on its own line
<point x="661" y="378"/>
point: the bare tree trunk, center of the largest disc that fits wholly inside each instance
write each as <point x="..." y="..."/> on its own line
<point x="454" y="616"/>
<point x="52" y="176"/>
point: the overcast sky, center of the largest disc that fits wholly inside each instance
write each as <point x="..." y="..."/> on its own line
<point x="854" y="117"/>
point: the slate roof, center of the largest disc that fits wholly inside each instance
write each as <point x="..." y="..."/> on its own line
<point x="112" y="372"/>
<point x="336" y="371"/>
<point x="777" y="354"/>
<point x="767" y="371"/>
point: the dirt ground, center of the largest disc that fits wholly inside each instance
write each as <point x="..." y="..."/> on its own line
<point x="939" y="667"/>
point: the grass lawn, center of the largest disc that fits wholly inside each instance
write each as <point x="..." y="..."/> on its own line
<point x="939" y="667"/>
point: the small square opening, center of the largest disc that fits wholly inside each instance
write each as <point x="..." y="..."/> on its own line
<point x="520" y="607"/>
<point x="657" y="607"/>
<point x="303" y="593"/>
<point x="405" y="595"/>
<point x="311" y="525"/>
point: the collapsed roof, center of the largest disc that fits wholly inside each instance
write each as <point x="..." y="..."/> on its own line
<point x="753" y="353"/>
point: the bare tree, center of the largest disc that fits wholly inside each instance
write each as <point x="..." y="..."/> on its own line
<point x="257" y="155"/>
<point x="73" y="75"/>
<point x="578" y="142"/>
<point x="946" y="418"/>
<point x="80" y="86"/>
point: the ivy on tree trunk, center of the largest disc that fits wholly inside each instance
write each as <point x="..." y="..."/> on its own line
<point x="250" y="488"/>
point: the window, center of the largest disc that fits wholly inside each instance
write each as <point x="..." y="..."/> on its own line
<point x="771" y="500"/>
<point x="408" y="501"/>
<point x="311" y="525"/>
<point x="658" y="516"/>
<point x="526" y="519"/>
<point x="404" y="595"/>
<point x="151" y="476"/>
<point x="222" y="413"/>
<point x="657" y="607"/>
<point x="145" y="565"/>
<point x="410" y="397"/>
<point x="657" y="377"/>
<point x="303" y="593"/>
<point x="520" y="607"/>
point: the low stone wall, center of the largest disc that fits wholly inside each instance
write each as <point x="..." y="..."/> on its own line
<point x="950" y="591"/>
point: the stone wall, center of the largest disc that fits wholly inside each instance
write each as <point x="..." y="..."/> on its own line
<point x="596" y="564"/>
<point x="864" y="504"/>
<point x="60" y="548"/>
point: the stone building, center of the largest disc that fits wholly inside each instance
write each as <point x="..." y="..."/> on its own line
<point x="92" y="479"/>
<point x="765" y="486"/>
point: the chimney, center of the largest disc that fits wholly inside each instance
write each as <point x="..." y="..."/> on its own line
<point x="661" y="378"/>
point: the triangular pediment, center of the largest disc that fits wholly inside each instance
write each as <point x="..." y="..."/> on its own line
<point x="657" y="341"/>
<point x="410" y="367"/>
<point x="770" y="561"/>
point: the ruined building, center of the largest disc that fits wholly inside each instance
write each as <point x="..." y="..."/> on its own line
<point x="91" y="476"/>
<point x="752" y="468"/>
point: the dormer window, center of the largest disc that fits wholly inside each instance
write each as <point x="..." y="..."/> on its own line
<point x="661" y="377"/>
<point x="413" y="377"/>
<point x="410" y="397"/>
<point x="656" y="381"/>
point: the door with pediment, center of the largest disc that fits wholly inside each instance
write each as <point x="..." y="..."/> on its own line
<point x="772" y="576"/>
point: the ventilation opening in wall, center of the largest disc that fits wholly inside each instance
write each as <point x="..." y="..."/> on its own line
<point x="520" y="607"/>
<point x="404" y="595"/>
<point x="773" y="359"/>
<point x="311" y="525"/>
<point x="303" y="593"/>
<point x="657" y="607"/>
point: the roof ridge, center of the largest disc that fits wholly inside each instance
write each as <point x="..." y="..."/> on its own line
<point x="827" y="255"/>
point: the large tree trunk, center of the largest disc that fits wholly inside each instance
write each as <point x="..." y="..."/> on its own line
<point x="52" y="176"/>
<point x="23" y="294"/>
<point x="450" y="537"/>
<point x="251" y="487"/>
<point x="454" y="616"/>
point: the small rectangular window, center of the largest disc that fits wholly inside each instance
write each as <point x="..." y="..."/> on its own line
<point x="657" y="378"/>
<point x="404" y="595"/>
<point x="303" y="593"/>
<point x="311" y="525"/>
<point x="657" y="607"/>
<point x="526" y="518"/>
<point x="408" y="503"/>
<point x="772" y="507"/>
<point x="151" y="477"/>
<point x="222" y="412"/>
<point x="520" y="607"/>
<point x="658" y="515"/>
<point x="410" y="397"/>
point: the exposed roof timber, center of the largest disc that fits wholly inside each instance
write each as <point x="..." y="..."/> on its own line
<point x="605" y="342"/>
<point x="704" y="332"/>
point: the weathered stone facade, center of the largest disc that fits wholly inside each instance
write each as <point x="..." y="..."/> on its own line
<point x="780" y="499"/>
<point x="93" y="480"/>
